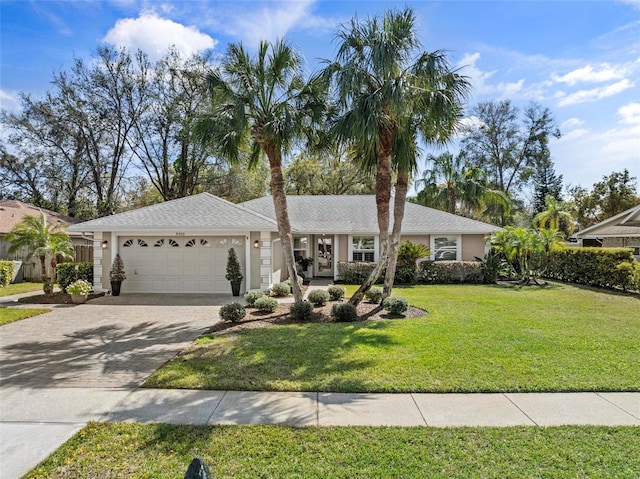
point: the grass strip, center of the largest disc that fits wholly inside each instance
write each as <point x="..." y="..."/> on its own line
<point x="164" y="451"/>
<point x="9" y="315"/>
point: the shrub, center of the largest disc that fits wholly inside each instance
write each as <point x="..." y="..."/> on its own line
<point x="493" y="267"/>
<point x="405" y="275"/>
<point x="354" y="272"/>
<point x="300" y="281"/>
<point x="281" y="290"/>
<point x="344" y="312"/>
<point x="67" y="273"/>
<point x="318" y="297"/>
<point x="234" y="274"/>
<point x="336" y="293"/>
<point x="447" y="272"/>
<point x="395" y="305"/>
<point x="117" y="270"/>
<point x="408" y="256"/>
<point x="301" y="310"/>
<point x="79" y="287"/>
<point x="251" y="296"/>
<point x="233" y="312"/>
<point x="374" y="294"/>
<point x="6" y="273"/>
<point x="600" y="267"/>
<point x="266" y="304"/>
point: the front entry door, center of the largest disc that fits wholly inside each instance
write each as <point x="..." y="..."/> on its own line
<point x="324" y="255"/>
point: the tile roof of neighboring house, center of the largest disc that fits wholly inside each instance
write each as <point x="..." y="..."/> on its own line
<point x="626" y="223"/>
<point x="201" y="212"/>
<point x="12" y="212"/>
<point x="357" y="214"/>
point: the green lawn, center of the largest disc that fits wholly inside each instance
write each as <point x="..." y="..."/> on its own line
<point x="164" y="451"/>
<point x="9" y="315"/>
<point x="475" y="338"/>
<point x="20" y="288"/>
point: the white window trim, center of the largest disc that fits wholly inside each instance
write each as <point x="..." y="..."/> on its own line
<point x="432" y="244"/>
<point x="376" y="247"/>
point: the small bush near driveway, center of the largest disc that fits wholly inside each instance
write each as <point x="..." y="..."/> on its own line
<point x="233" y="312"/>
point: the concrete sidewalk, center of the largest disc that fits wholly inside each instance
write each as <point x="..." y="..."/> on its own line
<point x="32" y="430"/>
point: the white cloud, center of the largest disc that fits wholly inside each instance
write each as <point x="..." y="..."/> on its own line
<point x="630" y="113"/>
<point x="584" y="156"/>
<point x="582" y="96"/>
<point x="572" y="123"/>
<point x="601" y="73"/>
<point x="573" y="134"/>
<point x="154" y="35"/>
<point x="480" y="80"/>
<point x="9" y="101"/>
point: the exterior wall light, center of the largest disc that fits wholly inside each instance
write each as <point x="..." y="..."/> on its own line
<point x="105" y="244"/>
<point x="256" y="244"/>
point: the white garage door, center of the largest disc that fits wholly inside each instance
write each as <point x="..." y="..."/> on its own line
<point x="184" y="264"/>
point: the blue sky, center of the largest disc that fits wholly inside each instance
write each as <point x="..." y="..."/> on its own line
<point x="579" y="58"/>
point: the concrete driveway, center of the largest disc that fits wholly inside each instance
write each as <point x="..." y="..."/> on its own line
<point x="75" y="363"/>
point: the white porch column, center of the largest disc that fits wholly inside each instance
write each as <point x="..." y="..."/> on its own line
<point x="97" y="262"/>
<point x="266" y="267"/>
<point x="247" y="263"/>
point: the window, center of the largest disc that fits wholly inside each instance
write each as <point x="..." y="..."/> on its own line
<point x="363" y="248"/>
<point x="300" y="247"/>
<point x="444" y="248"/>
<point x="222" y="243"/>
<point x="142" y="243"/>
<point x="191" y="243"/>
<point x="159" y="243"/>
<point x="128" y="243"/>
<point x="173" y="243"/>
<point x="204" y="243"/>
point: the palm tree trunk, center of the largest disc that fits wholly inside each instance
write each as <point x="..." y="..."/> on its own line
<point x="402" y="185"/>
<point x="282" y="216"/>
<point x="383" y="198"/>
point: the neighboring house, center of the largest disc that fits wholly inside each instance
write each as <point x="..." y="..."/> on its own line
<point x="181" y="245"/>
<point x="621" y="230"/>
<point x="11" y="213"/>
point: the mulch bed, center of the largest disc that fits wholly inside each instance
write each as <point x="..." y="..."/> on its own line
<point x="56" y="298"/>
<point x="321" y="314"/>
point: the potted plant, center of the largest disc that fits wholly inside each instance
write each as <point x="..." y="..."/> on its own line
<point x="116" y="275"/>
<point x="234" y="275"/>
<point x="305" y="262"/>
<point x="79" y="291"/>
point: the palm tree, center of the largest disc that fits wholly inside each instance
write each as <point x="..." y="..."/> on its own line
<point x="451" y="184"/>
<point x="41" y="239"/>
<point x="389" y="98"/>
<point x="263" y="101"/>
<point x="554" y="217"/>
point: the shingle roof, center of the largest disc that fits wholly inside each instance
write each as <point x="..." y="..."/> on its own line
<point x="626" y="223"/>
<point x="357" y="214"/>
<point x="12" y="212"/>
<point x="202" y="212"/>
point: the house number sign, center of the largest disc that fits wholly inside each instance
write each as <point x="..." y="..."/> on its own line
<point x="179" y="234"/>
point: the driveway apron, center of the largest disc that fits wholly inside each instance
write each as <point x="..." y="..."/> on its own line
<point x="74" y="364"/>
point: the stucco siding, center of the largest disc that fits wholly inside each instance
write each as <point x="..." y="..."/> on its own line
<point x="472" y="247"/>
<point x="279" y="267"/>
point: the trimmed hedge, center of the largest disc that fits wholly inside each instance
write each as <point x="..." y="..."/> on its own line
<point x="67" y="273"/>
<point x="6" y="273"/>
<point x="355" y="272"/>
<point x="447" y="272"/>
<point x="614" y="268"/>
<point x="318" y="297"/>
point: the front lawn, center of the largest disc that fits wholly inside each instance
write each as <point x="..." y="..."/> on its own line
<point x="475" y="338"/>
<point x="18" y="288"/>
<point x="9" y="315"/>
<point x="165" y="451"/>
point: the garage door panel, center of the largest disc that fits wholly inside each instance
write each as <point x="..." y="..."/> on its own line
<point x="160" y="267"/>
